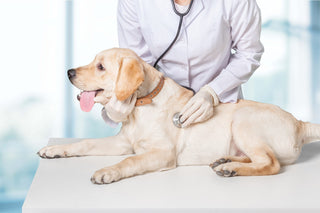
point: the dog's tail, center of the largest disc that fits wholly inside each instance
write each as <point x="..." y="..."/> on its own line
<point x="309" y="132"/>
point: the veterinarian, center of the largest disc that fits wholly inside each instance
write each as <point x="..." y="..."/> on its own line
<point x="217" y="50"/>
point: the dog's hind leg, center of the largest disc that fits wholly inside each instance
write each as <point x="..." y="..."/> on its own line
<point x="252" y="137"/>
<point x="263" y="162"/>
<point x="228" y="159"/>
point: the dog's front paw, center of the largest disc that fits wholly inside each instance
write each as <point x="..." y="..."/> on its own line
<point x="56" y="151"/>
<point x="106" y="175"/>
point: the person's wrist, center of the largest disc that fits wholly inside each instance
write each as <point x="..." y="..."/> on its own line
<point x="212" y="93"/>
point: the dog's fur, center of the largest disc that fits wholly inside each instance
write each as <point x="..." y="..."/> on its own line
<point x="247" y="138"/>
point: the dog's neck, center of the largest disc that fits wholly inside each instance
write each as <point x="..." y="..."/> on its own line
<point x="151" y="80"/>
<point x="171" y="99"/>
<point x="170" y="88"/>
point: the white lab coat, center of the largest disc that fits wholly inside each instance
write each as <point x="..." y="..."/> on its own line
<point x="202" y="54"/>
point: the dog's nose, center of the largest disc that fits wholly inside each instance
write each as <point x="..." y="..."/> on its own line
<point x="71" y="73"/>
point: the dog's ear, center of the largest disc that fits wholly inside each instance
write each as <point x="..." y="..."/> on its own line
<point x="130" y="77"/>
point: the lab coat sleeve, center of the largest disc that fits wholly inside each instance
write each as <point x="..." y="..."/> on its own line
<point x="245" y="27"/>
<point x="129" y="31"/>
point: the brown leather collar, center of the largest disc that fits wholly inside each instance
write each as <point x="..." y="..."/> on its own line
<point x="148" y="98"/>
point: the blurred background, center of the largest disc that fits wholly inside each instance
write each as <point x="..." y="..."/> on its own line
<point x="41" y="39"/>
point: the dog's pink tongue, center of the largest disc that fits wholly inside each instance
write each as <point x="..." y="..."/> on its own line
<point x="87" y="100"/>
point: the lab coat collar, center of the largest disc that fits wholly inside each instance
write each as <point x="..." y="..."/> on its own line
<point x="197" y="7"/>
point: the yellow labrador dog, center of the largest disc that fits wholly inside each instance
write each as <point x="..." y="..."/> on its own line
<point x="247" y="138"/>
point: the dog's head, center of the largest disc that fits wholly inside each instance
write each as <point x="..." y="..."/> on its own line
<point x="118" y="71"/>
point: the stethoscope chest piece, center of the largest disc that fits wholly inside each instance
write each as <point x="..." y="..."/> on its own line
<point x="176" y="120"/>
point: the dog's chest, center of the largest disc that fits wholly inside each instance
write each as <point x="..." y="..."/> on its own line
<point x="149" y="127"/>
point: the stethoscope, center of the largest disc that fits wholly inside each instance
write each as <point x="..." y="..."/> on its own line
<point x="181" y="15"/>
<point x="176" y="117"/>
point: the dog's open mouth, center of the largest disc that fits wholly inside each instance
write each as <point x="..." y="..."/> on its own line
<point x="86" y="99"/>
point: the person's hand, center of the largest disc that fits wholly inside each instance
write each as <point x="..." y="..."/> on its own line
<point x="200" y="107"/>
<point x="118" y="111"/>
<point x="101" y="98"/>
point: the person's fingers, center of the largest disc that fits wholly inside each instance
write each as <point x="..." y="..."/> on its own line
<point x="109" y="108"/>
<point x="133" y="98"/>
<point x="202" y="116"/>
<point x="119" y="110"/>
<point x="133" y="102"/>
<point x="98" y="99"/>
<point x="101" y="100"/>
<point x="192" y="117"/>
<point x="128" y="100"/>
<point x="113" y="99"/>
<point x="112" y="104"/>
<point x="187" y="106"/>
<point x="191" y="110"/>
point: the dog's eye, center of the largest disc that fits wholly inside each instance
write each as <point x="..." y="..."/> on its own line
<point x="100" y="67"/>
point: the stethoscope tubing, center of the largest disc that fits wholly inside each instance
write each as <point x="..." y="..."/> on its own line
<point x="172" y="43"/>
<point x="181" y="15"/>
<point x="177" y="12"/>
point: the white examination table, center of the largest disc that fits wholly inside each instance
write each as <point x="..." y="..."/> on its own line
<point x="63" y="185"/>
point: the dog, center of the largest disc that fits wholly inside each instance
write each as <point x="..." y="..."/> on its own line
<point x="243" y="139"/>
